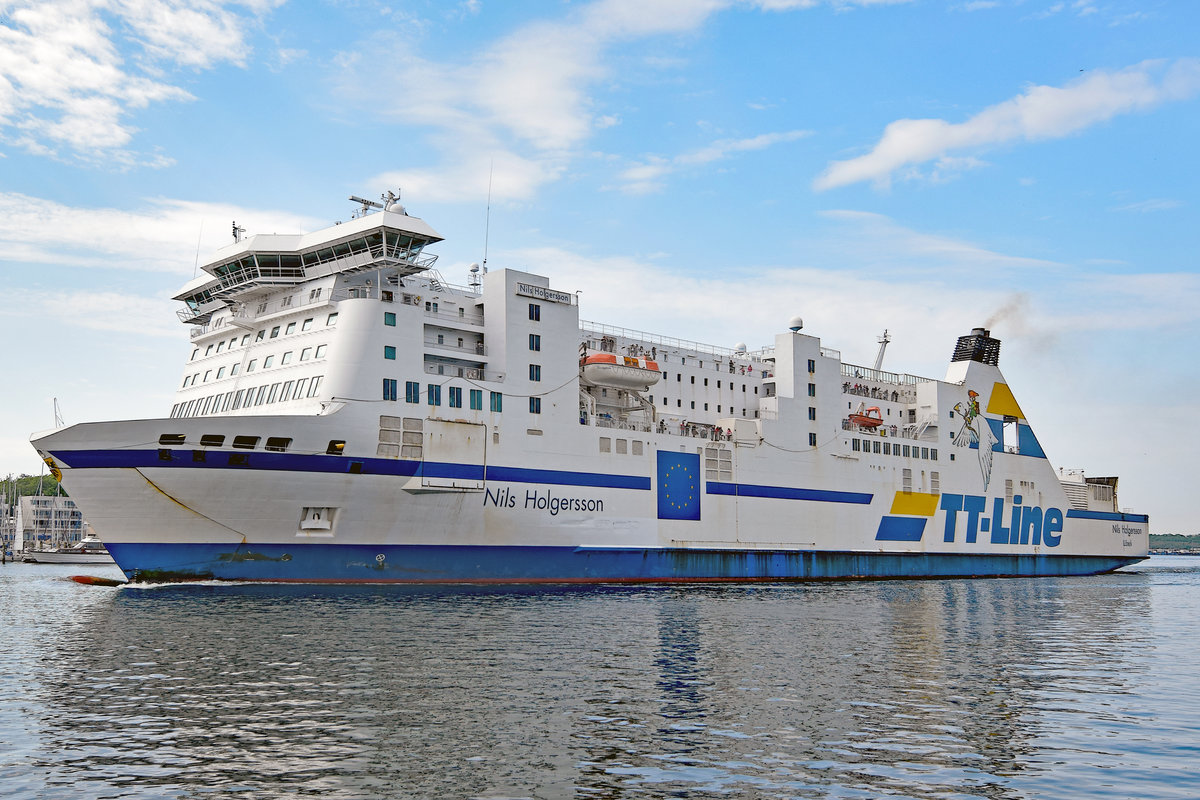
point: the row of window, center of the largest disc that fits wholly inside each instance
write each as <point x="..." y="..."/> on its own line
<point x="217" y="347"/>
<point x="268" y="362"/>
<point x="245" y="398"/>
<point x="666" y="403"/>
<point x="433" y="395"/>
<point x="679" y="379"/>
<point x="896" y="449"/>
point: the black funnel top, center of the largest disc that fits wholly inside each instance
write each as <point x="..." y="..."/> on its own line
<point x="979" y="346"/>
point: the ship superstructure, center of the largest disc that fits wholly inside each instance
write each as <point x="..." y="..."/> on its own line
<point x="347" y="414"/>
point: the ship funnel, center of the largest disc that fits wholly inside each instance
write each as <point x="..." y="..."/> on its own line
<point x="979" y="346"/>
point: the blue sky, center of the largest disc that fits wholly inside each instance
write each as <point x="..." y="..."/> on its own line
<point x="702" y="169"/>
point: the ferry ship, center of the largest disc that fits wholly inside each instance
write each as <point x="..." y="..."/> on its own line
<point x="345" y="414"/>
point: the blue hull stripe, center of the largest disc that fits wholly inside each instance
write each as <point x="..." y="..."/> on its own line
<point x="1110" y="515"/>
<point x="304" y="462"/>
<point x="785" y="493"/>
<point x="901" y="529"/>
<point x="333" y="563"/>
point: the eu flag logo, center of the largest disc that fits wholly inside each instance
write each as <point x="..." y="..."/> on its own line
<point x="678" y="485"/>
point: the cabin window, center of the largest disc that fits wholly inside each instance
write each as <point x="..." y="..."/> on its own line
<point x="497" y="401"/>
<point x="273" y="393"/>
<point x="245" y="339"/>
<point x="286" y="359"/>
<point x="622" y="446"/>
<point x="306" y="324"/>
<point x="275" y="332"/>
<point x="812" y="413"/>
<point x="535" y="372"/>
<point x="389" y="319"/>
<point x="245" y="442"/>
<point x="320" y="351"/>
<point x="212" y="440"/>
<point x="535" y="312"/>
<point x="390" y="387"/>
<point x="605" y="444"/>
<point x="331" y="319"/>
<point x="195" y="353"/>
<point x="434" y="393"/>
<point x="854" y="445"/>
<point x="252" y="365"/>
<point x="171" y="438"/>
<point x="412" y="392"/>
<point x="812" y="365"/>
<point x="812" y="440"/>
<point x="258" y="337"/>
<point x="812" y="390"/>
<point x="208" y="350"/>
<point x="455" y="397"/>
<point x="535" y="405"/>
<point x="268" y="362"/>
<point x="300" y="386"/>
<point x="291" y="328"/>
<point x="315" y="386"/>
<point x="306" y="354"/>
<point x="207" y="372"/>
<point x="220" y="373"/>
<point x="336" y="446"/>
<point x="278" y="443"/>
<point x="535" y="341"/>
<point x="476" y="399"/>
<point x="220" y="346"/>
<point x="389" y="352"/>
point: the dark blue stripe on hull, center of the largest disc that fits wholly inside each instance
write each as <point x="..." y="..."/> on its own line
<point x="333" y="563"/>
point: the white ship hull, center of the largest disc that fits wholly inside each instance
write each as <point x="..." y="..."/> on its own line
<point x="500" y="461"/>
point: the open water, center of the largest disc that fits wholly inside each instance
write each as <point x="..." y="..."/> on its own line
<point x="1031" y="688"/>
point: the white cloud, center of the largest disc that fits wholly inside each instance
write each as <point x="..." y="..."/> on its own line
<point x="159" y="238"/>
<point x="525" y="99"/>
<point x="1041" y="112"/>
<point x="645" y="177"/>
<point x="97" y="311"/>
<point x="1146" y="206"/>
<point x="66" y="78"/>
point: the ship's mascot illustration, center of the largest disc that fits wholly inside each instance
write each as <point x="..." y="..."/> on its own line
<point x="976" y="431"/>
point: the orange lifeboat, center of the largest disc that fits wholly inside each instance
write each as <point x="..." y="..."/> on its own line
<point x="871" y="418"/>
<point x="623" y="372"/>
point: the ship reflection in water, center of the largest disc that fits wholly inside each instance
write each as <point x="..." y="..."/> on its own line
<point x="996" y="688"/>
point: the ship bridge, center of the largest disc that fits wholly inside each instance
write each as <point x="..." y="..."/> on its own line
<point x="387" y="240"/>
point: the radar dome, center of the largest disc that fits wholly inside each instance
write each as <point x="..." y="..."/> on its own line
<point x="795" y="324"/>
<point x="740" y="347"/>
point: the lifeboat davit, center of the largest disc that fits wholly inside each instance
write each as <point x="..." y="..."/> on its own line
<point x="871" y="418"/>
<point x="623" y="372"/>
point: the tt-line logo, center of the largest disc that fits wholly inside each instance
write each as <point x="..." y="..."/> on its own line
<point x="1025" y="524"/>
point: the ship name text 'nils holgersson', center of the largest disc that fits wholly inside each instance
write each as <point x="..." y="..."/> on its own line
<point x="346" y="414"/>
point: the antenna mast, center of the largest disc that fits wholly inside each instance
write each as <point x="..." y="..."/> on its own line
<point x="487" y="220"/>
<point x="883" y="346"/>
